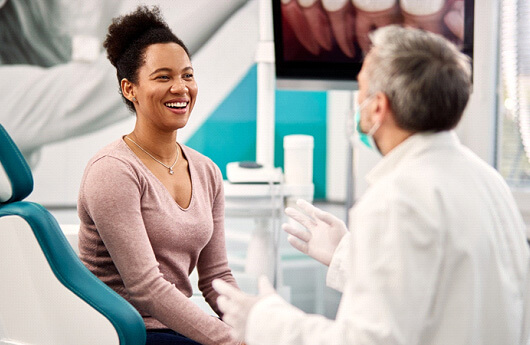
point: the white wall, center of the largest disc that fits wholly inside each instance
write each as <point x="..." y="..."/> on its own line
<point x="477" y="128"/>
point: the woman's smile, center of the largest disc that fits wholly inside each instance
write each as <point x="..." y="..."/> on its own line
<point x="177" y="106"/>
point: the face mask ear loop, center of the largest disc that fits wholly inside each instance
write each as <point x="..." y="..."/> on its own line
<point x="374" y="129"/>
<point x="359" y="109"/>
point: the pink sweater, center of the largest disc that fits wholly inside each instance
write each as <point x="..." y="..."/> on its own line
<point x="141" y="243"/>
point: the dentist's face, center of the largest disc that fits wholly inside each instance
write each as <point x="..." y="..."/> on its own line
<point x="363" y="96"/>
<point x="166" y="88"/>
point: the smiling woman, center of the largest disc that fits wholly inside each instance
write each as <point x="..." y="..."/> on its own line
<point x="151" y="209"/>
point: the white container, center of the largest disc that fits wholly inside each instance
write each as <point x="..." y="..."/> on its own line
<point x="298" y="159"/>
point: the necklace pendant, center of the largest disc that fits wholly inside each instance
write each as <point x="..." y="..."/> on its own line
<point x="171" y="171"/>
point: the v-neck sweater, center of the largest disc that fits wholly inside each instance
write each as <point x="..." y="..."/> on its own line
<point x="137" y="239"/>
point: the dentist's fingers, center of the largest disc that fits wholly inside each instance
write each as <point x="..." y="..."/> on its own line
<point x="222" y="303"/>
<point x="325" y="217"/>
<point x="300" y="217"/>
<point x="343" y="26"/>
<point x="315" y="212"/>
<point x="223" y="288"/>
<point x="294" y="16"/>
<point x="295" y="231"/>
<point x="235" y="306"/>
<point x="318" y="22"/>
<point x="306" y="207"/>
<point x="232" y="311"/>
<point x="298" y="244"/>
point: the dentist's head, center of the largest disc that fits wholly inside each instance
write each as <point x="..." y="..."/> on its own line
<point x="411" y="81"/>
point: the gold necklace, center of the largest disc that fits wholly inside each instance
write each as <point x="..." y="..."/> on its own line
<point x="156" y="160"/>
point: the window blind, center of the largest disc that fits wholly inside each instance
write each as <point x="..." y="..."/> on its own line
<point x="515" y="65"/>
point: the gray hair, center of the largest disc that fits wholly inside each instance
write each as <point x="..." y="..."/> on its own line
<point x="425" y="77"/>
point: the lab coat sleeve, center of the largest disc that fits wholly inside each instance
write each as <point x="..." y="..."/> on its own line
<point x="526" y="320"/>
<point x="391" y="279"/>
<point x="336" y="276"/>
<point x="274" y="321"/>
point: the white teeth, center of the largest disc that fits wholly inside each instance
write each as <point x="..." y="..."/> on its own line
<point x="176" y="104"/>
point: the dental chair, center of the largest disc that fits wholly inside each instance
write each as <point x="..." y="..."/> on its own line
<point x="47" y="295"/>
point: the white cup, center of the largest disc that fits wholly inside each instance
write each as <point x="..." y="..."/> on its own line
<point x="298" y="159"/>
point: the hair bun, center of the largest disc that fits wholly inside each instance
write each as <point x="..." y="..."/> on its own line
<point x="127" y="29"/>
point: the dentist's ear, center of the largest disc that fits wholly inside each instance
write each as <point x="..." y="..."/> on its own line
<point x="381" y="107"/>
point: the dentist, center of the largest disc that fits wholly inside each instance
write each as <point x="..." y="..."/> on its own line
<point x="436" y="251"/>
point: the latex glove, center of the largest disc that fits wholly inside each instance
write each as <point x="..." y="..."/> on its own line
<point x="323" y="234"/>
<point x="236" y="305"/>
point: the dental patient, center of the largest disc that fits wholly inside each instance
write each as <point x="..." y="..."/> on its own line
<point x="151" y="208"/>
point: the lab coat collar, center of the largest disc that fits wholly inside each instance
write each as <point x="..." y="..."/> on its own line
<point x="412" y="146"/>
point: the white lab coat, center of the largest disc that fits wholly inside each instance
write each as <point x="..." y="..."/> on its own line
<point x="437" y="254"/>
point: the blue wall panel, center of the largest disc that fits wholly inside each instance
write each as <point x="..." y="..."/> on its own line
<point x="229" y="134"/>
<point x="303" y="112"/>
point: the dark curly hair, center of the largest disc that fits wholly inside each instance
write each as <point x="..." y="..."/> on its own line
<point x="128" y="38"/>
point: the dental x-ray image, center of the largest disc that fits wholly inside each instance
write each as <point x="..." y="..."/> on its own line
<point x="327" y="39"/>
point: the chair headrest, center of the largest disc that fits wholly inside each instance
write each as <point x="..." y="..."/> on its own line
<point x="16" y="181"/>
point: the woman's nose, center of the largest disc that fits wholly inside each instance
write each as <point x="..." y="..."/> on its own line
<point x="179" y="87"/>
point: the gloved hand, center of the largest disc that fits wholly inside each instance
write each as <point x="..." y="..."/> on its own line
<point x="236" y="305"/>
<point x="323" y="234"/>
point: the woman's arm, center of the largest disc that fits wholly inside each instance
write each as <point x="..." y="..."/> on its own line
<point x="213" y="262"/>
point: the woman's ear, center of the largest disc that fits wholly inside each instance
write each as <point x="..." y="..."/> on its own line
<point x="127" y="89"/>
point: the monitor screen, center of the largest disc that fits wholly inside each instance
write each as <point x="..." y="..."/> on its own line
<point x="320" y="44"/>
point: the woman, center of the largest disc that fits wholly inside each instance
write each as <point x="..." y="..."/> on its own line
<point x="151" y="209"/>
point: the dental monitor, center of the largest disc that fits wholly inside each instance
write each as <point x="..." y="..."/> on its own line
<point x="320" y="44"/>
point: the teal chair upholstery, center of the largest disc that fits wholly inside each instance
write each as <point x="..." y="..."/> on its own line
<point x="47" y="295"/>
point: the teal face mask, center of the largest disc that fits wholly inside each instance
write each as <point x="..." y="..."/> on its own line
<point x="366" y="138"/>
<point x="368" y="141"/>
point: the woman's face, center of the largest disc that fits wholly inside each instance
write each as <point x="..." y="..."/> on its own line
<point x="166" y="88"/>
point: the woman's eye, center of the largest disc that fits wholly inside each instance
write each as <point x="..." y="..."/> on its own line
<point x="188" y="75"/>
<point x="163" y="77"/>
